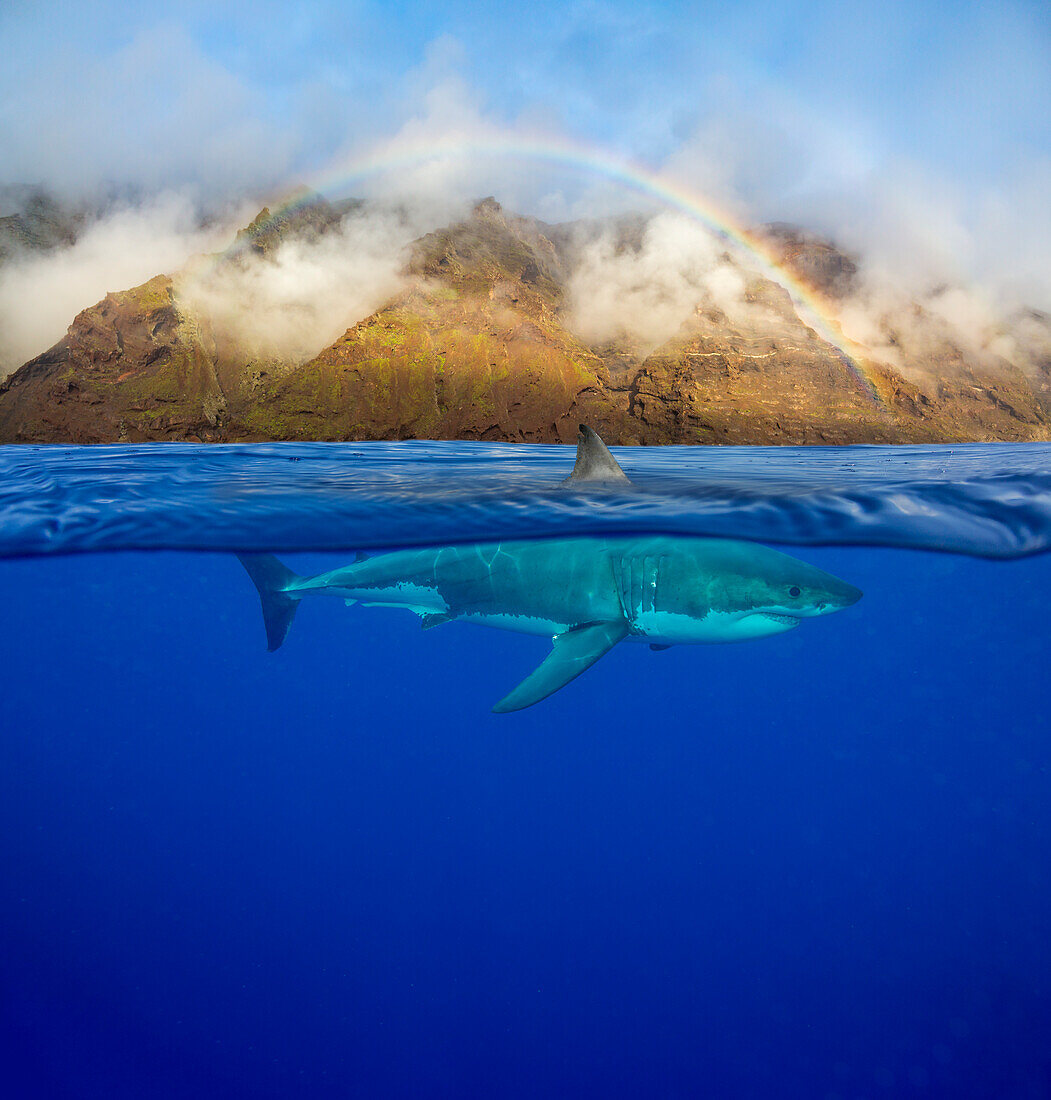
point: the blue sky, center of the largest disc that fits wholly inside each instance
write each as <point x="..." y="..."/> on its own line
<point x="962" y="88"/>
<point x="920" y="127"/>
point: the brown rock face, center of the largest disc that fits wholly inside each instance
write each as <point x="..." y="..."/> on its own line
<point x="39" y="224"/>
<point x="771" y="379"/>
<point x="816" y="262"/>
<point x="131" y="368"/>
<point x="307" y="217"/>
<point x="474" y="351"/>
<point x="1032" y="334"/>
<point x="478" y="348"/>
<point x="761" y="378"/>
<point x="443" y="364"/>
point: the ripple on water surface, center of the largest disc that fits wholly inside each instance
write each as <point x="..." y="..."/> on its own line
<point x="992" y="500"/>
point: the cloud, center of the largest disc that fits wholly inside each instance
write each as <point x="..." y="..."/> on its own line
<point x="290" y="305"/>
<point x="647" y="290"/>
<point x="920" y="144"/>
<point x="286" y="306"/>
<point x="155" y="113"/>
<point x="451" y="147"/>
<point x="41" y="293"/>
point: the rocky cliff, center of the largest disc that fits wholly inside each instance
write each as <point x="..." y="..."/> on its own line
<point x="479" y="345"/>
<point x="32" y="221"/>
<point x="133" y="367"/>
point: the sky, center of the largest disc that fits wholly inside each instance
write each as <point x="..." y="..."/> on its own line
<point x="803" y="97"/>
<point x="916" y="134"/>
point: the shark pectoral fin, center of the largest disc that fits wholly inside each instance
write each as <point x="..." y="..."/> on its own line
<point x="571" y="654"/>
<point x="435" y="619"/>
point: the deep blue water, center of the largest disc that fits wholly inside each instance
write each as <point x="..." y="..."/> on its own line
<point x="814" y="865"/>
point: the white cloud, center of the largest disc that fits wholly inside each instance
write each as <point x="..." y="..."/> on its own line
<point x="155" y="112"/>
<point x="41" y="293"/>
<point x="931" y="174"/>
<point x="295" y="302"/>
<point x="649" y="291"/>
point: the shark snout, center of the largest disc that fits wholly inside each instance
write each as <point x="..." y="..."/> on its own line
<point x="846" y="595"/>
<point x="818" y="593"/>
<point x="835" y="596"/>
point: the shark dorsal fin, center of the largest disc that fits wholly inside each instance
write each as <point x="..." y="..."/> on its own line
<point x="594" y="462"/>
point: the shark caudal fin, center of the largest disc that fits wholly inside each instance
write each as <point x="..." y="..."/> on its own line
<point x="271" y="578"/>
<point x="594" y="462"/>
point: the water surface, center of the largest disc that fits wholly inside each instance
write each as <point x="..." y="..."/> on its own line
<point x="811" y="865"/>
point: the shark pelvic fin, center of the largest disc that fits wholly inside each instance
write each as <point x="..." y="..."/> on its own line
<point x="271" y="578"/>
<point x="435" y="618"/>
<point x="594" y="462"/>
<point x="571" y="654"/>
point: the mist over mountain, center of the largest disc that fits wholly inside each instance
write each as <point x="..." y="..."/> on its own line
<point x="899" y="160"/>
<point x="345" y="321"/>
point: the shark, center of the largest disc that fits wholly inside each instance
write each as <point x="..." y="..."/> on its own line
<point x="585" y="594"/>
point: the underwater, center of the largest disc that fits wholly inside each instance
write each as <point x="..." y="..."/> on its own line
<point x="810" y="863"/>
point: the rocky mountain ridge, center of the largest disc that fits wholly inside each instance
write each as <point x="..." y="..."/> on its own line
<point x="32" y="221"/>
<point x="479" y="345"/>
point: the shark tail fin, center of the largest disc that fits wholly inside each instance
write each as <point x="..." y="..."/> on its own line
<point x="271" y="580"/>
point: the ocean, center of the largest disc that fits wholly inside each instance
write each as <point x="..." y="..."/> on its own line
<point x="809" y="865"/>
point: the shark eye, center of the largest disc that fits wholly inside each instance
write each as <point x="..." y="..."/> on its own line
<point x="794" y="590"/>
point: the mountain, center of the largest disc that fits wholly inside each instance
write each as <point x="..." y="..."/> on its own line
<point x="479" y="344"/>
<point x="34" y="221"/>
<point x="133" y="367"/>
<point x="304" y="217"/>
<point x="475" y="349"/>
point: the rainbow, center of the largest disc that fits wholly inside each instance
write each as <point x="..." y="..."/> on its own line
<point x="399" y="154"/>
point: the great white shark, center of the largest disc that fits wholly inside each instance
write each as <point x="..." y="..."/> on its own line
<point x="585" y="594"/>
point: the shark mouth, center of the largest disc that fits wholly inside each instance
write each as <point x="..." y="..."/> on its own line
<point x="784" y="620"/>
